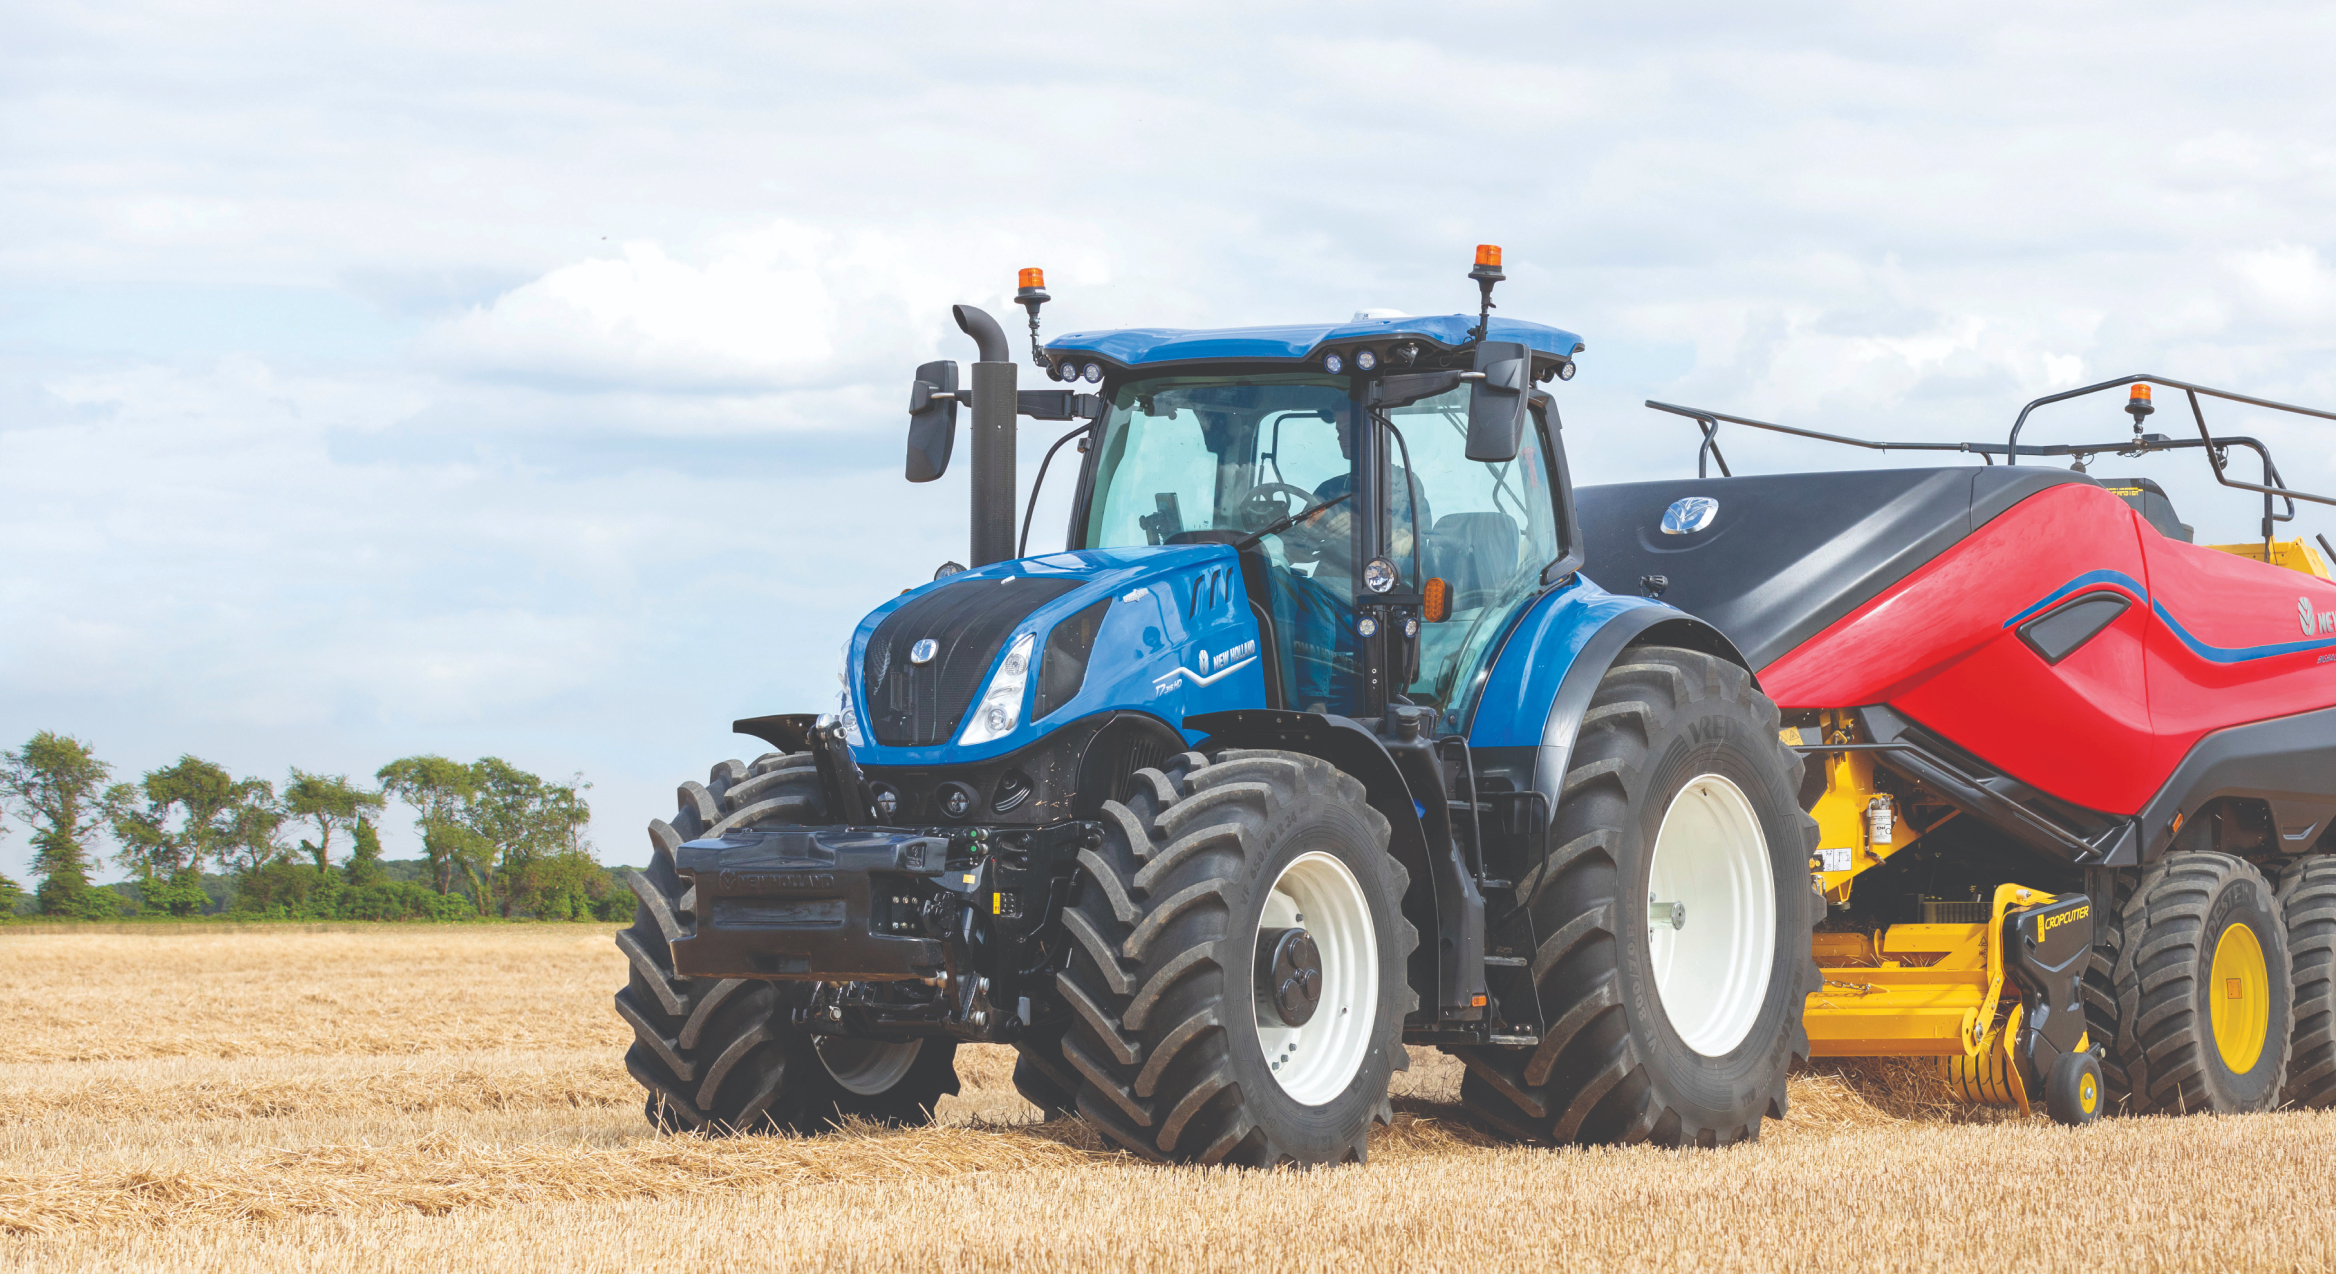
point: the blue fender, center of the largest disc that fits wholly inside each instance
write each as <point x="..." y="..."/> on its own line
<point x="1549" y="668"/>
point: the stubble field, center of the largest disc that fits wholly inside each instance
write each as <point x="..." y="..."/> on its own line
<point x="419" y="1097"/>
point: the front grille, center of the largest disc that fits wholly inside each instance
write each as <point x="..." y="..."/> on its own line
<point x="916" y="705"/>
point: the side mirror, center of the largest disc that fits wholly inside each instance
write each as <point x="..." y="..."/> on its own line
<point x="1496" y="404"/>
<point x="932" y="420"/>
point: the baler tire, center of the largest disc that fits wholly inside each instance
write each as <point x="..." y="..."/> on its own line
<point x="1612" y="1066"/>
<point x="1167" y="1033"/>
<point x="2169" y="932"/>
<point x="2100" y="990"/>
<point x="2307" y="898"/>
<point x="722" y="1056"/>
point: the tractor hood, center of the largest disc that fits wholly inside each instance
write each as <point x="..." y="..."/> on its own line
<point x="1163" y="630"/>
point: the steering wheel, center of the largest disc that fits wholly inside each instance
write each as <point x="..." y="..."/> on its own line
<point x="1259" y="506"/>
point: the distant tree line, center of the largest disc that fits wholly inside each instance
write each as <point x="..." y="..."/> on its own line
<point x="195" y="840"/>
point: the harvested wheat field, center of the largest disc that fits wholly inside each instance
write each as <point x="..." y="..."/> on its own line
<point x="393" y="1097"/>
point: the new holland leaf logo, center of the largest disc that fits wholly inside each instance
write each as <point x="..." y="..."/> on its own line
<point x="2314" y="624"/>
<point x="1212" y="668"/>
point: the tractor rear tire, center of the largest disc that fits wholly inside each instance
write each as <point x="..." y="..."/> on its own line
<point x="722" y="1055"/>
<point x="1043" y="1078"/>
<point x="2204" y="996"/>
<point x="2307" y="898"/>
<point x="1677" y="781"/>
<point x="1209" y="862"/>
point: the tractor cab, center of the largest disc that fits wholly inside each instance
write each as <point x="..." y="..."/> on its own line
<point x="1350" y="497"/>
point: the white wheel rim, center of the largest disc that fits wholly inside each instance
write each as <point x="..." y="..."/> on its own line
<point x="1315" y="1062"/>
<point x="867" y="1067"/>
<point x="1711" y="972"/>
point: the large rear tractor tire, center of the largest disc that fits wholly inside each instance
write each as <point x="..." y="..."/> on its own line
<point x="722" y="1055"/>
<point x="2307" y="898"/>
<point x="2204" y="998"/>
<point x="1668" y="927"/>
<point x="1238" y="966"/>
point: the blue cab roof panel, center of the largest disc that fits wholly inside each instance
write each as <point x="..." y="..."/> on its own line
<point x="1137" y="346"/>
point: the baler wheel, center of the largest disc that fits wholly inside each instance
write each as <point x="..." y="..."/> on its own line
<point x="1680" y="809"/>
<point x="2204" y="995"/>
<point x="1237" y="976"/>
<point x="2072" y="1092"/>
<point x="722" y="1055"/>
<point x="2307" y="898"/>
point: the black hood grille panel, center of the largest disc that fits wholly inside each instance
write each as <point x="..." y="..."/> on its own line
<point x="918" y="705"/>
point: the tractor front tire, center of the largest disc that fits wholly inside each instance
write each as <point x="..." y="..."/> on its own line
<point x="722" y="1055"/>
<point x="2204" y="997"/>
<point x="1237" y="977"/>
<point x="1667" y="925"/>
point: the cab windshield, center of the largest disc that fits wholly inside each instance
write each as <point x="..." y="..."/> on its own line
<point x="1219" y="459"/>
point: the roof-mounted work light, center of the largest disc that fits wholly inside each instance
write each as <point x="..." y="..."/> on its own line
<point x="1030" y="293"/>
<point x="1486" y="273"/>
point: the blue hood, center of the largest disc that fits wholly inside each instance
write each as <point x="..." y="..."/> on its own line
<point x="1178" y="639"/>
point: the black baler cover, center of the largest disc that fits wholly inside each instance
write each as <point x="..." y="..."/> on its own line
<point x="1787" y="554"/>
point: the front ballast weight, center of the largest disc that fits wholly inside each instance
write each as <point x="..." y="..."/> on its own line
<point x="937" y="931"/>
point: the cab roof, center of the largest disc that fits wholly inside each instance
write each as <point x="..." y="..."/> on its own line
<point x="1138" y="346"/>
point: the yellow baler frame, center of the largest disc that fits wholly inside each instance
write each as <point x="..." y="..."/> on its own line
<point x="2295" y="555"/>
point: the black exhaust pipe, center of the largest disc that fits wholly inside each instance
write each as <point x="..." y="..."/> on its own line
<point x="995" y="405"/>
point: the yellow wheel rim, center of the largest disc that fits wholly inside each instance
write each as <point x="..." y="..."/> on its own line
<point x="2238" y="994"/>
<point x="2088" y="1093"/>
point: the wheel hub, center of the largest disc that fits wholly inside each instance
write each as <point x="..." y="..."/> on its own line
<point x="1289" y="975"/>
<point x="1710" y="865"/>
<point x="1316" y="985"/>
<point x="2238" y="993"/>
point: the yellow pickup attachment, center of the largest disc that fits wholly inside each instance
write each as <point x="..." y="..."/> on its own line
<point x="1913" y="990"/>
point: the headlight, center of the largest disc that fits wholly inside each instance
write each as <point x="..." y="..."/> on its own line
<point x="1000" y="709"/>
<point x="844" y="715"/>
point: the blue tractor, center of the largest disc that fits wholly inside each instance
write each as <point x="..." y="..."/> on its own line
<point x="1314" y="743"/>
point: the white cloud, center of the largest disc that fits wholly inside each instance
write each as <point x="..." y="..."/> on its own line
<point x="670" y="271"/>
<point x="758" y="314"/>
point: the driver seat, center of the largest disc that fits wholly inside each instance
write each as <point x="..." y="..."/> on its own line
<point x="1476" y="553"/>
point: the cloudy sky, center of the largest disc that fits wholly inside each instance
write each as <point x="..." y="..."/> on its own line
<point x="526" y="379"/>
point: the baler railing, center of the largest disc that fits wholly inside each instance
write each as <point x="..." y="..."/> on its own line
<point x="2273" y="488"/>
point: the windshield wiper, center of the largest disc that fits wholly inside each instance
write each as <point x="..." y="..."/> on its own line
<point x="1284" y="524"/>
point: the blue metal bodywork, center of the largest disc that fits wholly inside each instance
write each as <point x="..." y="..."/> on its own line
<point x="1140" y="346"/>
<point x="1513" y="709"/>
<point x="1178" y="641"/>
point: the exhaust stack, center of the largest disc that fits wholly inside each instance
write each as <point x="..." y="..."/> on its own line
<point x="995" y="403"/>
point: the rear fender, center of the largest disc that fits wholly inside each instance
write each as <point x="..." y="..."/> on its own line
<point x="2288" y="763"/>
<point x="1546" y="673"/>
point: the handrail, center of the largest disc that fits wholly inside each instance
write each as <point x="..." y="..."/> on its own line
<point x="2273" y="488"/>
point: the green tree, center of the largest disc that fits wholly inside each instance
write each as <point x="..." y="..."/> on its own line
<point x="364" y="868"/>
<point x="440" y="793"/>
<point x="52" y="782"/>
<point x="330" y="802"/>
<point x="186" y="813"/>
<point x="535" y="833"/>
<point x="11" y="894"/>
